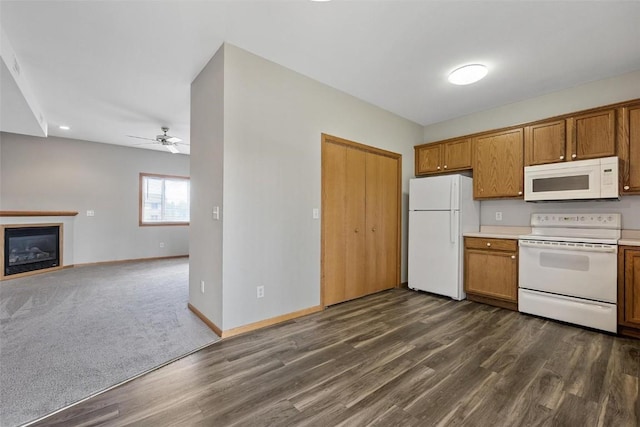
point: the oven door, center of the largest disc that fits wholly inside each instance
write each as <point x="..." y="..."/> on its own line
<point x="574" y="269"/>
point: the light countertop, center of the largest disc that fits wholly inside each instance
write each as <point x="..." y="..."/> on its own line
<point x="497" y="232"/>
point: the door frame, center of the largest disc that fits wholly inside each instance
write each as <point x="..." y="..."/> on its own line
<point x="330" y="139"/>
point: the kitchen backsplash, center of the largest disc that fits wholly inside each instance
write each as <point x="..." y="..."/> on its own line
<point x="518" y="212"/>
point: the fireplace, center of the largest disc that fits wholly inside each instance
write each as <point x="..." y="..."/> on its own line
<point x="29" y="248"/>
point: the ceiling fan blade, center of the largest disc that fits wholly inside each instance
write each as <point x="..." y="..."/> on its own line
<point x="172" y="139"/>
<point x="140" y="137"/>
<point x="172" y="148"/>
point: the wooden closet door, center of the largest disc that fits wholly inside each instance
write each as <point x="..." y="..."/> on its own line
<point x="360" y="220"/>
<point x="355" y="232"/>
<point x="382" y="222"/>
<point x="343" y="225"/>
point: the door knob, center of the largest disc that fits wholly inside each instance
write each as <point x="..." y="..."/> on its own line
<point x="519" y="193"/>
<point x="626" y="187"/>
<point x="513" y="257"/>
<point x="438" y="168"/>
<point x="488" y="244"/>
<point x="445" y="166"/>
<point x="573" y="156"/>
<point x="561" y="157"/>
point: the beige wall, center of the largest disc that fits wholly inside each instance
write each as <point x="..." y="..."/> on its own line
<point x="207" y="166"/>
<point x="273" y="121"/>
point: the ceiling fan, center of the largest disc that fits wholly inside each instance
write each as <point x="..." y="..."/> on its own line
<point x="168" y="141"/>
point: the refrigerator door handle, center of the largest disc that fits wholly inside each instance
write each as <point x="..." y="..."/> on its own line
<point x="452" y="231"/>
<point x="452" y="195"/>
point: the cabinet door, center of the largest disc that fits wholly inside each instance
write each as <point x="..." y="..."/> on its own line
<point x="382" y="219"/>
<point x="498" y="165"/>
<point x="632" y="287"/>
<point x="545" y="143"/>
<point x="593" y="135"/>
<point x="343" y="203"/>
<point x="492" y="274"/>
<point x="428" y="159"/>
<point x="457" y="154"/>
<point x="630" y="148"/>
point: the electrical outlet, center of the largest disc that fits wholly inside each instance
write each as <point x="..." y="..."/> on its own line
<point x="162" y="244"/>
<point x="498" y="216"/>
<point x="91" y="213"/>
<point x="202" y="286"/>
<point x="260" y="291"/>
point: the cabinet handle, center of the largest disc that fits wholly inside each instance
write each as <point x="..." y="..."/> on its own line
<point x="513" y="257"/>
<point x="573" y="156"/>
<point x="561" y="157"/>
<point x="519" y="193"/>
<point x="626" y="187"/>
<point x="488" y="244"/>
<point x="445" y="166"/>
<point x="438" y="168"/>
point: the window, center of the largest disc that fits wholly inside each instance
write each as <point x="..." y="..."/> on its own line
<point x="164" y="200"/>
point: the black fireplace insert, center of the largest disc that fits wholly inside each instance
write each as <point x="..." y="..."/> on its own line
<point x="31" y="248"/>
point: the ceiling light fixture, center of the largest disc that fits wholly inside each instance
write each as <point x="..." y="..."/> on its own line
<point x="63" y="127"/>
<point x="468" y="74"/>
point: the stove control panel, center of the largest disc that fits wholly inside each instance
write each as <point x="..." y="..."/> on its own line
<point x="577" y="220"/>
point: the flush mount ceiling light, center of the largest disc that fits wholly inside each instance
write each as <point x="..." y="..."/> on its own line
<point x="468" y="74"/>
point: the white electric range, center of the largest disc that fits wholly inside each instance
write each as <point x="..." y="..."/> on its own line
<point x="568" y="268"/>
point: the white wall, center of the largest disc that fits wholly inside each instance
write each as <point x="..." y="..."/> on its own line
<point x="517" y="212"/>
<point x="273" y="120"/>
<point x="71" y="175"/>
<point x="207" y="166"/>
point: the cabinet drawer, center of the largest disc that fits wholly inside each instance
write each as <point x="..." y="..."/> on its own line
<point x="494" y="244"/>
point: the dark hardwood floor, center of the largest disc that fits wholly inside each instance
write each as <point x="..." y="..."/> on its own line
<point x="397" y="358"/>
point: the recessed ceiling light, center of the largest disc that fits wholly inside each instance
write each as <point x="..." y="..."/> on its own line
<point x="63" y="127"/>
<point x="468" y="74"/>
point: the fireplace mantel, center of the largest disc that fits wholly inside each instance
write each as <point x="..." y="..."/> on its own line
<point x="37" y="213"/>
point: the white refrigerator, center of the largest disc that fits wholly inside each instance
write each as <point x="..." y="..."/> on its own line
<point x="441" y="208"/>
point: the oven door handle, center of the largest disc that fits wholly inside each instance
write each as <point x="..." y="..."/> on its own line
<point x="565" y="247"/>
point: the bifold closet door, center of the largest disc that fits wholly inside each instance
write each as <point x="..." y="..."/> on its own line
<point x="343" y="186"/>
<point x="360" y="220"/>
<point x="382" y="217"/>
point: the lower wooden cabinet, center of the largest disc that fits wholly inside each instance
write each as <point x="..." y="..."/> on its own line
<point x="629" y="290"/>
<point x="491" y="271"/>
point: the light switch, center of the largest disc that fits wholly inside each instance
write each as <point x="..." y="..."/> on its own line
<point x="498" y="216"/>
<point x="316" y="213"/>
<point x="216" y="212"/>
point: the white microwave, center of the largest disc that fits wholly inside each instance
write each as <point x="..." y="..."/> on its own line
<point x="577" y="180"/>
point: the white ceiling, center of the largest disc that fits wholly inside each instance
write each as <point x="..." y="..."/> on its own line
<point x="114" y="68"/>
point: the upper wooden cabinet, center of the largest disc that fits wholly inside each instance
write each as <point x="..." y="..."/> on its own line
<point x="593" y="135"/>
<point x="545" y="143"/>
<point x="446" y="156"/>
<point x="629" y="148"/>
<point x="498" y="165"/>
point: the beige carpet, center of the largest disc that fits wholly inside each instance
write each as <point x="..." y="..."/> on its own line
<point x="69" y="334"/>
